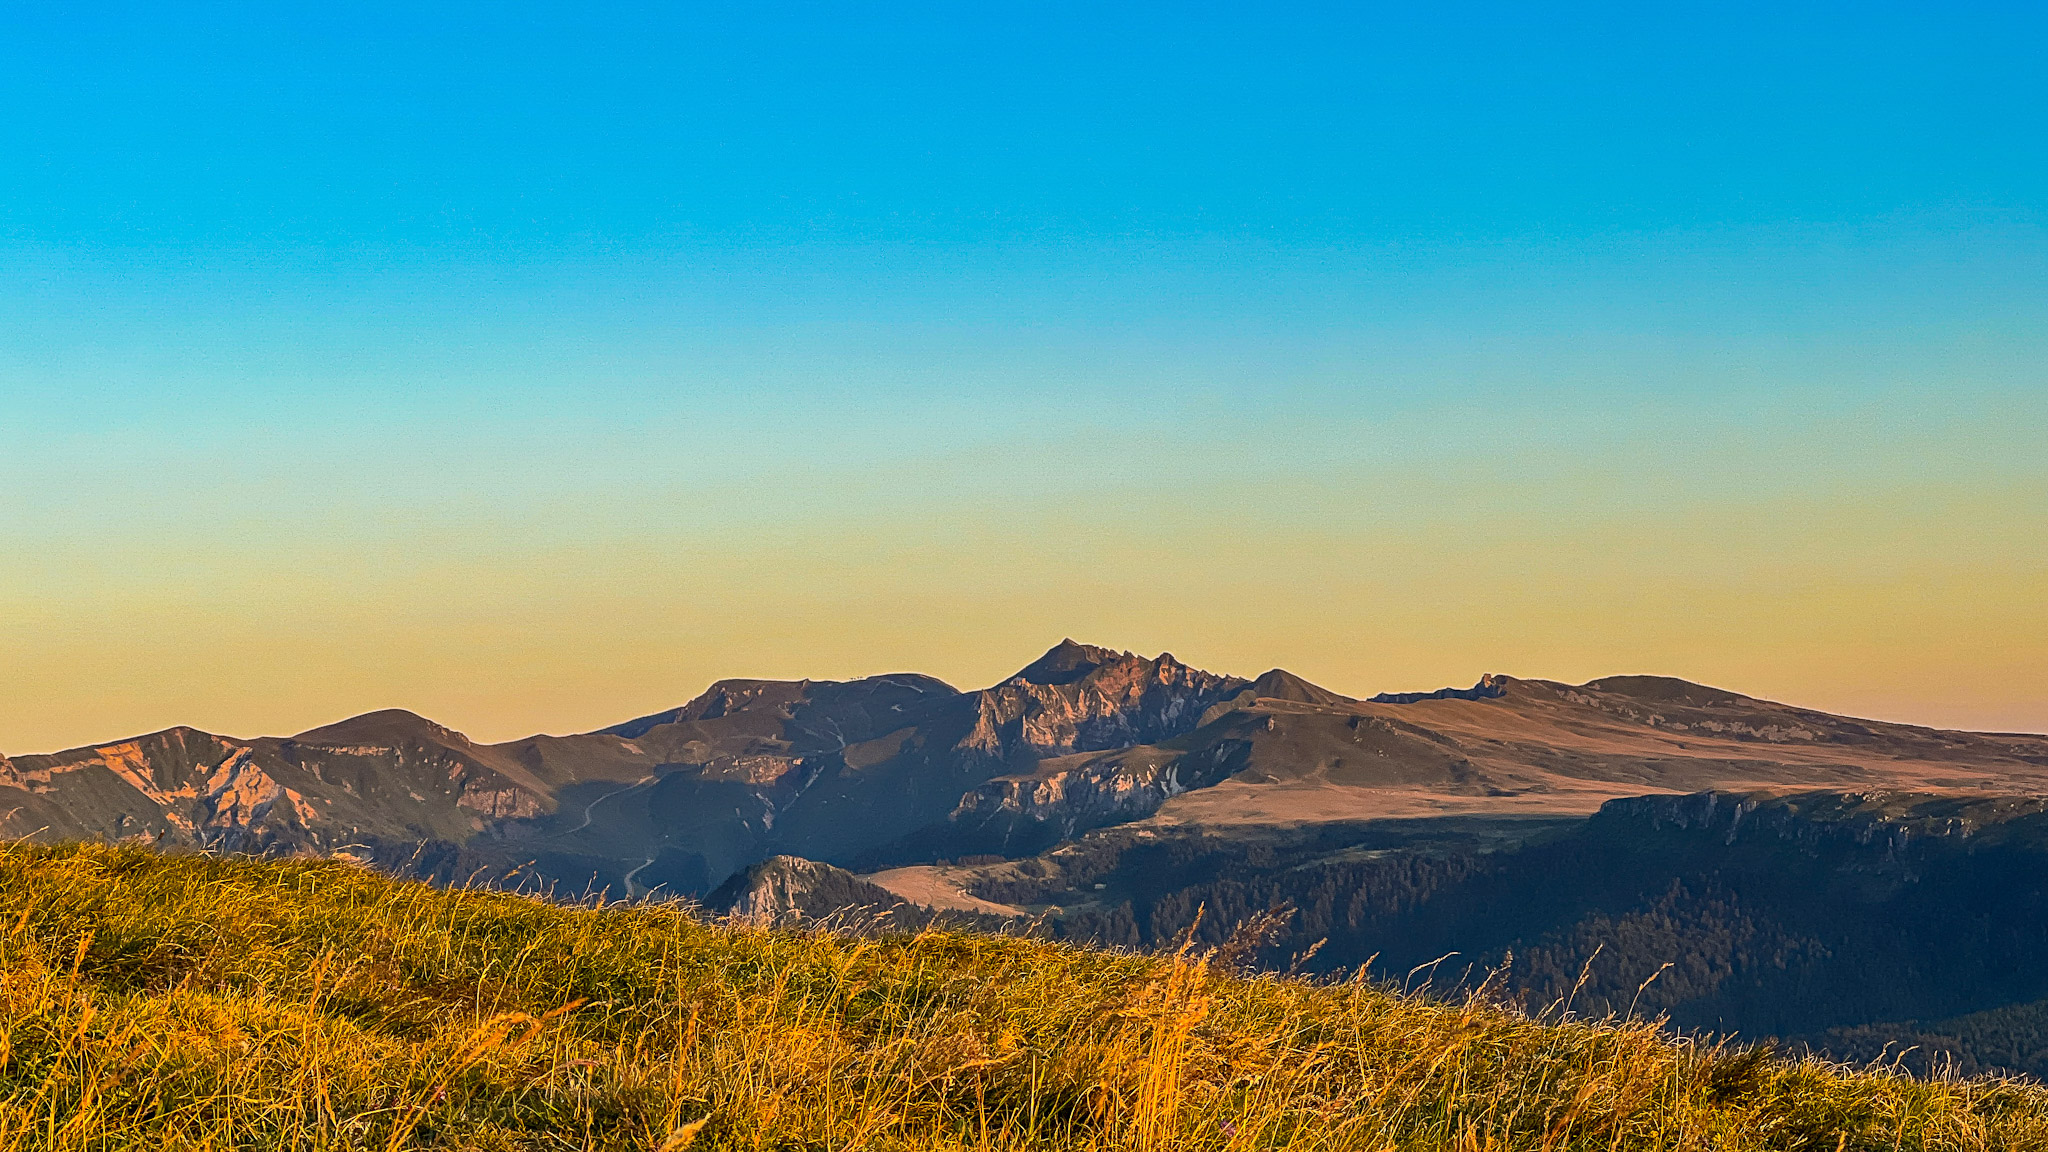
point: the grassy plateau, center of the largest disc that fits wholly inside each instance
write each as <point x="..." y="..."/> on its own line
<point x="194" y="1002"/>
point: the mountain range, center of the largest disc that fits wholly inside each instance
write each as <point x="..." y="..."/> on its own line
<point x="904" y="769"/>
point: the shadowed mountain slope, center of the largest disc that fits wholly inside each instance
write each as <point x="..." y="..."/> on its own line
<point x="1852" y="921"/>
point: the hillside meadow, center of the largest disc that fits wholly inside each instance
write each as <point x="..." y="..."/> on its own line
<point x="200" y="1002"/>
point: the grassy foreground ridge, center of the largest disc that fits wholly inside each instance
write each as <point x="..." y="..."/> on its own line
<point x="199" y="1002"/>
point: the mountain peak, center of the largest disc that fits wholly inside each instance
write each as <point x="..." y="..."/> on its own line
<point x="889" y="692"/>
<point x="1066" y="662"/>
<point x="1280" y="684"/>
<point x="380" y="727"/>
<point x="723" y="698"/>
<point x="1666" y="690"/>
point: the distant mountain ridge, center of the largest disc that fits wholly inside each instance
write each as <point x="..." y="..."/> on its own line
<point x="902" y="768"/>
<point x="687" y="795"/>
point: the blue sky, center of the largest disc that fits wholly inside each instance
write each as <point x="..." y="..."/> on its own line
<point x="530" y="365"/>
<point x="536" y="134"/>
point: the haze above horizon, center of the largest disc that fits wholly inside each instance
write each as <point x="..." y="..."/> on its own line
<point x="529" y="367"/>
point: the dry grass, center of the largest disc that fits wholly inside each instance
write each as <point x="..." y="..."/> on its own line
<point x="202" y="1003"/>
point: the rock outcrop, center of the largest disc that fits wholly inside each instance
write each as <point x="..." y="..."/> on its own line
<point x="782" y="888"/>
<point x="1488" y="688"/>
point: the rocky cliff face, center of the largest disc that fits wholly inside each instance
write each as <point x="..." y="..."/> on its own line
<point x="1888" y="820"/>
<point x="1079" y="698"/>
<point x="387" y="775"/>
<point x="1091" y="791"/>
<point x="239" y="798"/>
<point x="1072" y="794"/>
<point x="179" y="785"/>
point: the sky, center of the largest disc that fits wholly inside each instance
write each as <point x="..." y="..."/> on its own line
<point x="532" y="366"/>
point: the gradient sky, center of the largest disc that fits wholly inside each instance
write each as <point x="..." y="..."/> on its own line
<point x="531" y="366"/>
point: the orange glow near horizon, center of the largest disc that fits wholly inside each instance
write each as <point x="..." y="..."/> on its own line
<point x="1815" y="603"/>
